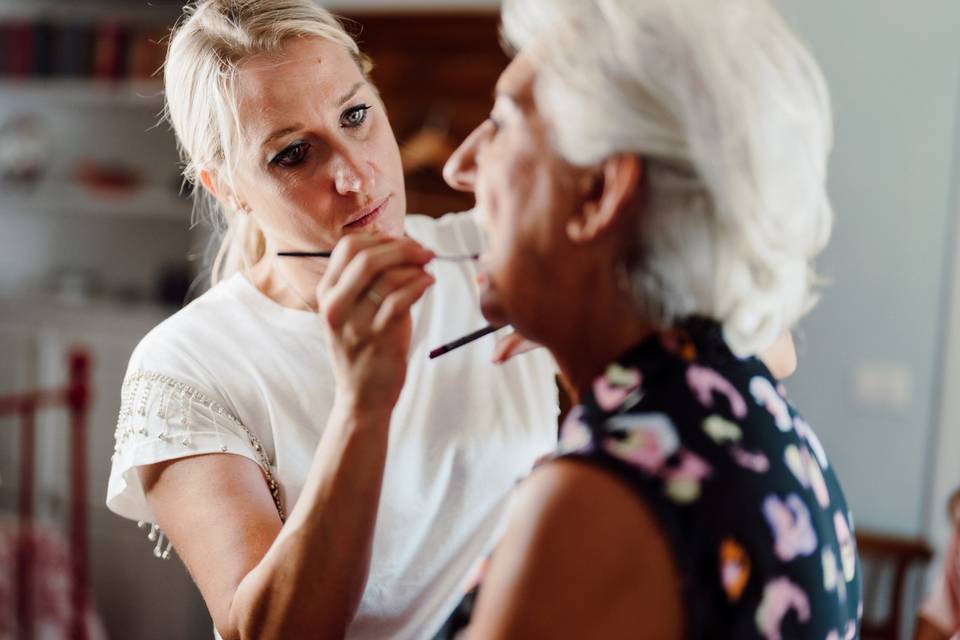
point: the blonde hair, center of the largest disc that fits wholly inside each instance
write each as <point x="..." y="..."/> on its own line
<point x="731" y="114"/>
<point x="211" y="41"/>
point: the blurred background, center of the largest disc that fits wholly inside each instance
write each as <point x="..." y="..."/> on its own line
<point x="97" y="246"/>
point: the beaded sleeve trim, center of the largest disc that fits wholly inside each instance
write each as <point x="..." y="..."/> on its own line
<point x="144" y="393"/>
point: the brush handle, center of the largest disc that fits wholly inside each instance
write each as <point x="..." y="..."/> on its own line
<point x="326" y="254"/>
<point x="467" y="339"/>
<point x="303" y="254"/>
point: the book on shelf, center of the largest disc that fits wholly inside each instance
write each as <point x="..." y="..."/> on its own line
<point x="105" y="50"/>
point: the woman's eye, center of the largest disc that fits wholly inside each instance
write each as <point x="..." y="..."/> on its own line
<point x="355" y="116"/>
<point x="291" y="156"/>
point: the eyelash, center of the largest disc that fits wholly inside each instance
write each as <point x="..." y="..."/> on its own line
<point x="286" y="158"/>
<point x="294" y="154"/>
<point x="361" y="109"/>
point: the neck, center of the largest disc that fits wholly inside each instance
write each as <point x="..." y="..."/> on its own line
<point x="290" y="282"/>
<point x="601" y="327"/>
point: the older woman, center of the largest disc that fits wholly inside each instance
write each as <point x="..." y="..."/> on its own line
<point x="652" y="181"/>
<point x="256" y="422"/>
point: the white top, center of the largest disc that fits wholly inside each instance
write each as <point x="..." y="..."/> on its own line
<point x="235" y="372"/>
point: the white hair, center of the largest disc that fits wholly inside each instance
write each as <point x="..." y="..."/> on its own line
<point x="211" y="41"/>
<point x="731" y="114"/>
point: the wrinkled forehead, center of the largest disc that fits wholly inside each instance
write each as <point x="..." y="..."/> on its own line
<point x="306" y="77"/>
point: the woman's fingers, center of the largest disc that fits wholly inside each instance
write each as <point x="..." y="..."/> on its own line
<point x="359" y="323"/>
<point x="512" y="344"/>
<point x="370" y="262"/>
<point x="332" y="309"/>
<point x="397" y="303"/>
<point x="344" y="252"/>
<point x="345" y="285"/>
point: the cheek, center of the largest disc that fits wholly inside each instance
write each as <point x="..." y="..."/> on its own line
<point x="291" y="206"/>
<point x="502" y="189"/>
<point x="383" y="152"/>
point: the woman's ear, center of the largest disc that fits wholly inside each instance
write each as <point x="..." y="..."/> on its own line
<point x="606" y="190"/>
<point x="220" y="191"/>
<point x="209" y="182"/>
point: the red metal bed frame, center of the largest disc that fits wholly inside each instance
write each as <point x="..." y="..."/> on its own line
<point x="75" y="397"/>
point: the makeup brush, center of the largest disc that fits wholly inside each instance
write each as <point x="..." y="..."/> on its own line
<point x="439" y="351"/>
<point x="326" y="254"/>
<point x="467" y="339"/>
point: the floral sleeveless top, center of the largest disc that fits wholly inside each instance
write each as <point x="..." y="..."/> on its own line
<point x="759" y="527"/>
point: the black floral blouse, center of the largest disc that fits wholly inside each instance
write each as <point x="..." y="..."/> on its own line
<point x="758" y="524"/>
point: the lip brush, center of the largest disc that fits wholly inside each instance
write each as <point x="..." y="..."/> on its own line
<point x="439" y="351"/>
<point x="467" y="339"/>
<point x="326" y="254"/>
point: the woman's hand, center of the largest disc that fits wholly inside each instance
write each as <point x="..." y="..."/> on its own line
<point x="512" y="344"/>
<point x="364" y="299"/>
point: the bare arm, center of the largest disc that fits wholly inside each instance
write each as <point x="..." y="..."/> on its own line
<point x="260" y="580"/>
<point x="304" y="579"/>
<point x="582" y="558"/>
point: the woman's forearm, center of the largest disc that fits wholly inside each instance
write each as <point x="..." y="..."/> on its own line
<point x="310" y="581"/>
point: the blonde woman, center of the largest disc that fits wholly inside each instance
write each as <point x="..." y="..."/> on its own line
<point x="652" y="179"/>
<point x="318" y="476"/>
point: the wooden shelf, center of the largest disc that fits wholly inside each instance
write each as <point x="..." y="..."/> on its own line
<point x="161" y="12"/>
<point x="81" y="92"/>
<point x="151" y="202"/>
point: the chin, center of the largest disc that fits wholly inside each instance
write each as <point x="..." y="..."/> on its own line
<point x="492" y="309"/>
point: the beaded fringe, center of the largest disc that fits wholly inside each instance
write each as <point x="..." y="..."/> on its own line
<point x="149" y="392"/>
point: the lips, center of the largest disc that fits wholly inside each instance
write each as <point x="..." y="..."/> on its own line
<point x="367" y="216"/>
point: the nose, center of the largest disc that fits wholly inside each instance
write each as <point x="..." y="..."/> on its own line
<point x="351" y="174"/>
<point x="460" y="171"/>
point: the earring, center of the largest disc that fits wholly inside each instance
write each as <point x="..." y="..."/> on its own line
<point x="238" y="206"/>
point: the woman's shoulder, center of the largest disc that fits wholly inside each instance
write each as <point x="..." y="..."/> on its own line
<point x="734" y="474"/>
<point x="193" y="334"/>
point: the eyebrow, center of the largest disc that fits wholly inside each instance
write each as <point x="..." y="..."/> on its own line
<point x="280" y="133"/>
<point x="296" y="127"/>
<point x="349" y="94"/>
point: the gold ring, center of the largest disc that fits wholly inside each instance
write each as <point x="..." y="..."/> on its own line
<point x="375" y="297"/>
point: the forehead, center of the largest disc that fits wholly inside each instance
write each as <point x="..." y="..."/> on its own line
<point x="306" y="76"/>
<point x="517" y="80"/>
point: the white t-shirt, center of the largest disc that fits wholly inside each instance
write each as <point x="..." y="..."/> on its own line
<point x="235" y="372"/>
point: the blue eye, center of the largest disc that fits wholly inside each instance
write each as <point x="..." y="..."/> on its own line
<point x="292" y="155"/>
<point x="355" y="116"/>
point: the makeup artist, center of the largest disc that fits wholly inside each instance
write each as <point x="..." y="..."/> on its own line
<point x="652" y="181"/>
<point x="316" y="473"/>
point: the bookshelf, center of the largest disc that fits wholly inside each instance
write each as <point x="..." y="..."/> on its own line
<point x="82" y="92"/>
<point x="147" y="202"/>
<point x="85" y="72"/>
<point x="157" y="12"/>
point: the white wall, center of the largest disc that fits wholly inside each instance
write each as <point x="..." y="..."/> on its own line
<point x="893" y="68"/>
<point x="894" y="72"/>
<point x="946" y="444"/>
<point x="373" y="5"/>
